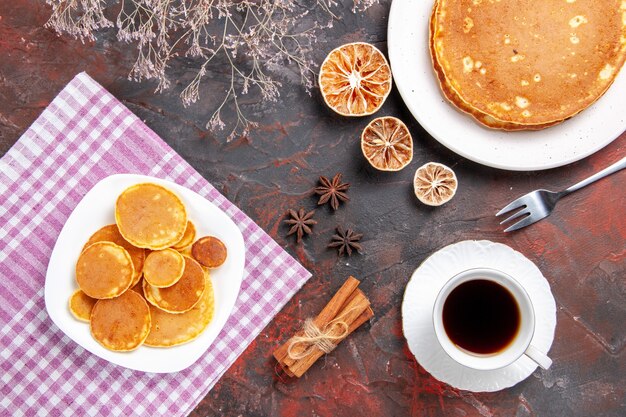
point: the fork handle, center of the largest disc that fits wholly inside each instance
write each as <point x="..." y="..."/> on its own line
<point x="619" y="165"/>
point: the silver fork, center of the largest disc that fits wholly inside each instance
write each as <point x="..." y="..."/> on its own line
<point x="539" y="203"/>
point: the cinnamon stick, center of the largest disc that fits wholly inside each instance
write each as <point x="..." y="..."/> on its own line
<point x="328" y="313"/>
<point x="363" y="318"/>
<point x="349" y="305"/>
<point x="353" y="310"/>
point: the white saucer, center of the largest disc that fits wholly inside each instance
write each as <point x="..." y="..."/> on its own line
<point x="419" y="298"/>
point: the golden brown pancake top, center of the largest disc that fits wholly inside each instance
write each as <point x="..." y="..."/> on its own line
<point x="104" y="270"/>
<point x="181" y="296"/>
<point x="530" y="62"/>
<point x="150" y="216"/>
<point x="188" y="237"/>
<point x="121" y="323"/>
<point x="209" y="251"/>
<point x="174" y="329"/>
<point x="164" y="268"/>
<point x="110" y="233"/>
<point x="81" y="305"/>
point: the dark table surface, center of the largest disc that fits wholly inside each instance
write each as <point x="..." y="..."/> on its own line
<point x="581" y="248"/>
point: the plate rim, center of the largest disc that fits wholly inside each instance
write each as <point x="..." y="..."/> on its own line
<point x="603" y="109"/>
<point x="160" y="367"/>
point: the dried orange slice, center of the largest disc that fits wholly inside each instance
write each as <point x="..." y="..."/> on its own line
<point x="355" y="79"/>
<point x="387" y="144"/>
<point x="434" y="184"/>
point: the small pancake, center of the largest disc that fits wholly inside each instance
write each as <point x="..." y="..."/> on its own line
<point x="110" y="233"/>
<point x="181" y="296"/>
<point x="163" y="268"/>
<point x="122" y="323"/>
<point x="188" y="237"/>
<point x="174" y="329"/>
<point x="104" y="270"/>
<point x="209" y="251"/>
<point x="81" y="305"/>
<point x="150" y="216"/>
<point x="522" y="64"/>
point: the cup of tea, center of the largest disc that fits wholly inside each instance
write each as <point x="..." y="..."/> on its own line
<point x="484" y="319"/>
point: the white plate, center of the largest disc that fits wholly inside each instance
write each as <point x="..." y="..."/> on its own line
<point x="419" y="299"/>
<point x="95" y="210"/>
<point x="559" y="145"/>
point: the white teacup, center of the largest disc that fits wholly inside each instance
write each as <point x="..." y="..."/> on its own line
<point x="519" y="345"/>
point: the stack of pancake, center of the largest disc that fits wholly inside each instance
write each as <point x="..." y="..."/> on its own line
<point x="526" y="64"/>
<point x="143" y="280"/>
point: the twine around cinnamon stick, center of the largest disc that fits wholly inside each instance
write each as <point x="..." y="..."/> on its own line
<point x="348" y="309"/>
<point x="324" y="339"/>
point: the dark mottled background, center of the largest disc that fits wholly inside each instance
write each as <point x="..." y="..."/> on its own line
<point x="581" y="248"/>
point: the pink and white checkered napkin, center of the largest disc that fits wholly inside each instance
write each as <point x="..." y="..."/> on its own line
<point x="84" y="135"/>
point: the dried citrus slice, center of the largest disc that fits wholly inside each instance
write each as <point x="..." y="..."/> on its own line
<point x="434" y="184"/>
<point x="355" y="79"/>
<point x="387" y="144"/>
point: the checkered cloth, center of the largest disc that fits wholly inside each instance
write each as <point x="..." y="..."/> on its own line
<point x="84" y="135"/>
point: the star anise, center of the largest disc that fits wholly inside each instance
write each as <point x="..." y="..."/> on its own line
<point x="333" y="191"/>
<point x="346" y="241"/>
<point x="300" y="222"/>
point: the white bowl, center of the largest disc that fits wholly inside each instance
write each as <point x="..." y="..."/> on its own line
<point x="95" y="210"/>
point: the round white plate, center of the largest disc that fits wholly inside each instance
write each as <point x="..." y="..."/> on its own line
<point x="559" y="145"/>
<point x="95" y="210"/>
<point x="419" y="299"/>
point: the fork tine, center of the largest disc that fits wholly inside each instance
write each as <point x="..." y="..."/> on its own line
<point x="517" y="214"/>
<point x="512" y="205"/>
<point x="522" y="223"/>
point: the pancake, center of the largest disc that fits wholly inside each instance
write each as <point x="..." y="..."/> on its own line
<point x="81" y="305"/>
<point x="163" y="268"/>
<point x="122" y="323"/>
<point x="526" y="63"/>
<point x="188" y="237"/>
<point x="110" y="233"/>
<point x="457" y="101"/>
<point x="150" y="216"/>
<point x="174" y="329"/>
<point x="104" y="270"/>
<point x="181" y="296"/>
<point x="209" y="251"/>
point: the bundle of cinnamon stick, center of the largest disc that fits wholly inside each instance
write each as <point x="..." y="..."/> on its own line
<point x="347" y="310"/>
